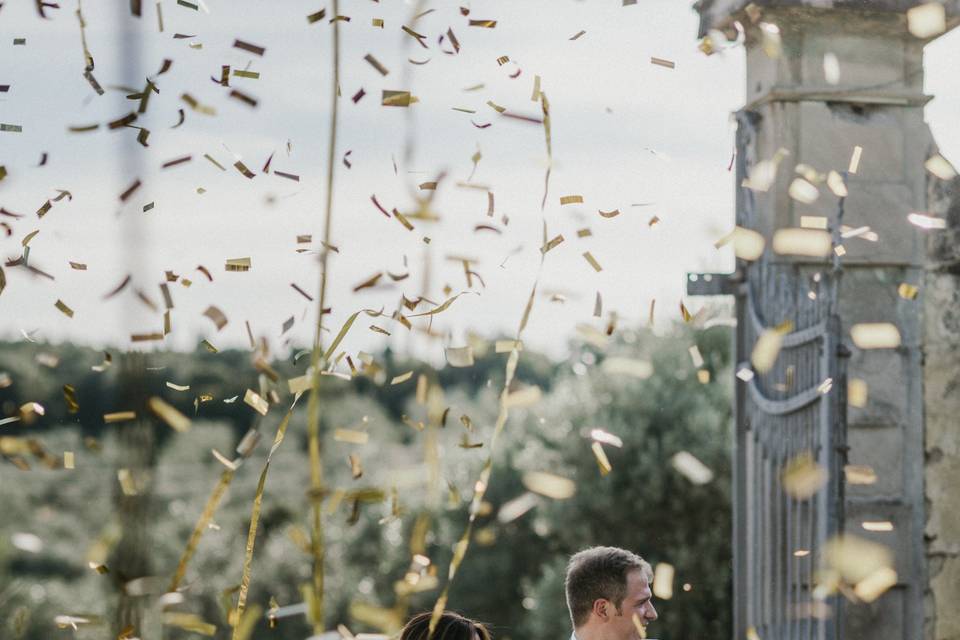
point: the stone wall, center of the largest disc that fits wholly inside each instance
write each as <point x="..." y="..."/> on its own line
<point x="941" y="352"/>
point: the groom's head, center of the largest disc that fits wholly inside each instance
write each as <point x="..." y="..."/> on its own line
<point x="606" y="587"/>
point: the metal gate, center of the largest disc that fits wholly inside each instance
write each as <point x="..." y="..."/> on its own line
<point x="796" y="407"/>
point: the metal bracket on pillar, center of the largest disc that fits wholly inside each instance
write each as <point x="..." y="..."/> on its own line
<point x="714" y="284"/>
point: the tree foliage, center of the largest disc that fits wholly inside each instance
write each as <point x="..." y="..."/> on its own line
<point x="512" y="576"/>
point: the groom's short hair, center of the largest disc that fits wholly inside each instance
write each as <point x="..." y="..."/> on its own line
<point x="599" y="572"/>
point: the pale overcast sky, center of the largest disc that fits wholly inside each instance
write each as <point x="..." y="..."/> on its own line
<point x="624" y="132"/>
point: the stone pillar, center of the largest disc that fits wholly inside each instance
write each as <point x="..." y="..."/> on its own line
<point x="909" y="429"/>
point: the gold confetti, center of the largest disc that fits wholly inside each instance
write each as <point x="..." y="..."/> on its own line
<point x="857" y="392"/>
<point x="403" y="377"/>
<point x="875" y="335"/>
<point x="662" y="62"/>
<point x="940" y="167"/>
<point x="907" y="291"/>
<point x="663" y="580"/>
<point x="619" y="366"/>
<point x="855" y="160"/>
<point x="351" y="436"/>
<point x="62" y="306"/>
<point x="169" y="414"/>
<point x="459" y="356"/>
<point x="68" y="460"/>
<point x="515" y="508"/>
<point x="395" y="98"/>
<point x="803" y="476"/>
<point x="564" y="200"/>
<point x="927" y="20"/>
<point x="525" y="397"/>
<point x="859" y="474"/>
<point x="217" y="316"/>
<point x="601" y="456"/>
<point x="690" y="467"/>
<point x="238" y="264"/>
<point x="486" y="24"/>
<point x="119" y="416"/>
<point x="767" y="347"/>
<point x="610" y="214"/>
<point x="549" y="485"/>
<point x="803" y="191"/>
<point x="747" y="243"/>
<point x="813" y="222"/>
<point x="253" y="399"/>
<point x="551" y="244"/>
<point x="382" y="70"/>
<point x="926" y="221"/>
<point x="877" y="526"/>
<point x="592" y="261"/>
<point x="814" y="243"/>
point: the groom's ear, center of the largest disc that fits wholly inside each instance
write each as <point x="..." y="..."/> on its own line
<point x="602" y="609"/>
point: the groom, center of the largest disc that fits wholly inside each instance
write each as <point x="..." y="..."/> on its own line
<point x="608" y="594"/>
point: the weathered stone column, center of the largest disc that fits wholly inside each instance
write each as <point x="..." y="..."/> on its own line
<point x="909" y="429"/>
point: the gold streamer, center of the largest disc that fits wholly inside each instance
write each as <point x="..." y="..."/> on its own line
<point x="255" y="520"/>
<point x="212" y="502"/>
<point x="313" y="406"/>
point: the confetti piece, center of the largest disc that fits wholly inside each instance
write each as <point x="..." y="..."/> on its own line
<point x="802" y="242"/>
<point x="767" y="347"/>
<point x="859" y="474"/>
<point x="813" y="222"/>
<point x="403" y="377"/>
<point x="395" y="98"/>
<point x="564" y="200"/>
<point x="880" y="526"/>
<point x="762" y="175"/>
<point x="593" y="261"/>
<point x="549" y="485"/>
<point x="69" y="460"/>
<point x="376" y="64"/>
<point x="855" y="160"/>
<point x="620" y="366"/>
<point x="526" y="397"/>
<point x="130" y="191"/>
<point x="70" y="398"/>
<point x="747" y="243"/>
<point x="244" y="98"/>
<point x="907" y="291"/>
<point x="485" y="24"/>
<point x="877" y="583"/>
<point x="669" y="64"/>
<point x="119" y="416"/>
<point x="316" y="17"/>
<point x="351" y="436"/>
<point x="196" y="106"/>
<point x="254" y="400"/>
<point x="687" y="465"/>
<point x="514" y="509"/>
<point x="601" y="457"/>
<point x="925" y="221"/>
<point x="459" y="356"/>
<point x="551" y="244"/>
<point x="241" y="73"/>
<point x="236" y="264"/>
<point x="610" y="214"/>
<point x="803" y="476"/>
<point x="169" y="414"/>
<point x="216" y="316"/>
<point x="663" y="580"/>
<point x="11" y="128"/>
<point x="831" y="68"/>
<point x="875" y="335"/>
<point x="61" y="305"/>
<point x="377" y="22"/>
<point x="246" y="46"/>
<point x="940" y="167"/>
<point x="803" y="191"/>
<point x="857" y="393"/>
<point x="927" y="20"/>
